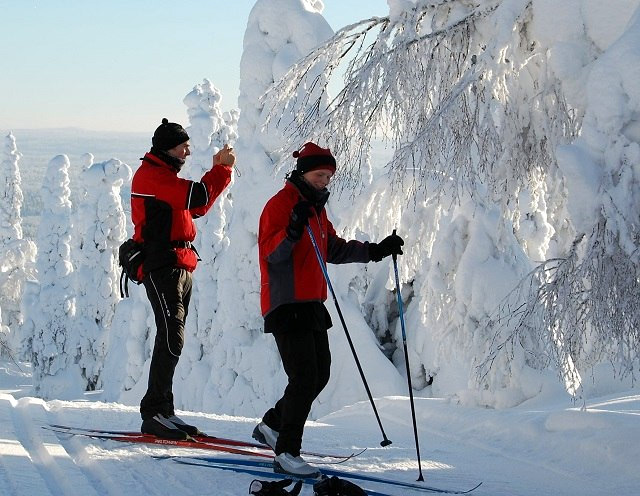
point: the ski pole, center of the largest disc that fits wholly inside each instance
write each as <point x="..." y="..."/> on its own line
<point x="406" y="361"/>
<point x="385" y="441"/>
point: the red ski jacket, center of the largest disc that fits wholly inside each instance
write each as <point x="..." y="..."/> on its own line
<point x="163" y="207"/>
<point x="289" y="270"/>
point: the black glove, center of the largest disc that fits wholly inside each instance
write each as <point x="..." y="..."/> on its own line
<point x="265" y="488"/>
<point x="334" y="486"/>
<point x="391" y="245"/>
<point x="298" y="219"/>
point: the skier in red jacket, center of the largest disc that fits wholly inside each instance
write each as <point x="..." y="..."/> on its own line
<point x="292" y="293"/>
<point x="163" y="207"/>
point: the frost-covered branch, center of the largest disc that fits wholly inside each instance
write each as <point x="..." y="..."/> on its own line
<point x="455" y="104"/>
<point x="7" y="351"/>
<point x="572" y="313"/>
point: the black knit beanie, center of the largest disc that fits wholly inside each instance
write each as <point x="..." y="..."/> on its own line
<point x="169" y="135"/>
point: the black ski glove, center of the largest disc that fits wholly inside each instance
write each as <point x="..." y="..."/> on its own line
<point x="333" y="486"/>
<point x="265" y="488"/>
<point x="298" y="219"/>
<point x="391" y="245"/>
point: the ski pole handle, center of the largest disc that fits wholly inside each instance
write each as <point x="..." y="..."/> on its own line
<point x="393" y="255"/>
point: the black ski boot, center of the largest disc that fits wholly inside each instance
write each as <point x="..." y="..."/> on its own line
<point x="159" y="426"/>
<point x="192" y="430"/>
<point x="266" y="488"/>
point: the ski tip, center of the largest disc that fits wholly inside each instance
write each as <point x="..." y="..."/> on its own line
<point x="473" y="488"/>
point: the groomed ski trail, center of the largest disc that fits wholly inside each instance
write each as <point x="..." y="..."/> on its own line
<point x="46" y="464"/>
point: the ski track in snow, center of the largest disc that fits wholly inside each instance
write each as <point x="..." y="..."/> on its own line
<point x="33" y="466"/>
<point x="47" y="463"/>
<point x="53" y="464"/>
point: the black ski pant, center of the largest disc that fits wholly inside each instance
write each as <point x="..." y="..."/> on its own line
<point x="306" y="359"/>
<point x="169" y="291"/>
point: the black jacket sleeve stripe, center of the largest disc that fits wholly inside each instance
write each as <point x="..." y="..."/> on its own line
<point x="198" y="196"/>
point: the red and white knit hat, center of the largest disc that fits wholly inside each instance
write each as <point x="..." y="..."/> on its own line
<point x="312" y="157"/>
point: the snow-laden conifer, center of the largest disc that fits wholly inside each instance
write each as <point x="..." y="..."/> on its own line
<point x="50" y="303"/>
<point x="17" y="255"/>
<point x="209" y="130"/>
<point x="11" y="201"/>
<point x="99" y="230"/>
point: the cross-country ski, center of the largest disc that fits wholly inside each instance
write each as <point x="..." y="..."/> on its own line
<point x="219" y="462"/>
<point x="214" y="443"/>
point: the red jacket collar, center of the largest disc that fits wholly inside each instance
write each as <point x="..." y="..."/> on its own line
<point x="158" y="162"/>
<point x="292" y="188"/>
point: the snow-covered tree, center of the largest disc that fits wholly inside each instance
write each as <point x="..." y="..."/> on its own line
<point x="50" y="304"/>
<point x="11" y="204"/>
<point x="17" y="266"/>
<point x="16" y="253"/>
<point x="5" y="348"/>
<point x="100" y="229"/>
<point x="209" y="129"/>
<point x="484" y="105"/>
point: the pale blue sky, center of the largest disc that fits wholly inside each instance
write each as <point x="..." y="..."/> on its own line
<point x="125" y="64"/>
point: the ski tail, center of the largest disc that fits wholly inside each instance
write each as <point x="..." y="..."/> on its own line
<point x="140" y="438"/>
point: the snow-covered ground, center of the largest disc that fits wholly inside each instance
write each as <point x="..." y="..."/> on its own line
<point x="546" y="446"/>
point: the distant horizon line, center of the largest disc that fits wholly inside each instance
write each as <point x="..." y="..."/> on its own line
<point x="7" y="130"/>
